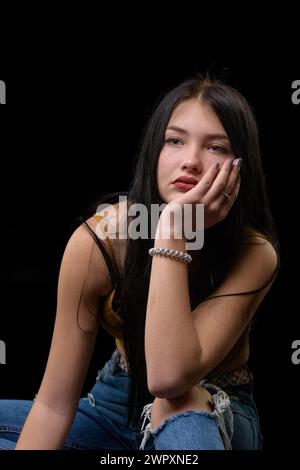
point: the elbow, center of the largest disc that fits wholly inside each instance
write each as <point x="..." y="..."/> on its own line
<point x="163" y="385"/>
<point x="163" y="390"/>
<point x="172" y="388"/>
<point x="169" y="383"/>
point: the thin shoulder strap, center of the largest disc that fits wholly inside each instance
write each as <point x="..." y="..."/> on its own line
<point x="250" y="291"/>
<point x="111" y="250"/>
<point x="107" y="252"/>
<point x="98" y="217"/>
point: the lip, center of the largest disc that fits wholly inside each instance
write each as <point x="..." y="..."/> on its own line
<point x="186" y="179"/>
<point x="184" y="186"/>
<point x="185" y="182"/>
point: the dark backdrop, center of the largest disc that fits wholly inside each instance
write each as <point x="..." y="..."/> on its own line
<point x="69" y="132"/>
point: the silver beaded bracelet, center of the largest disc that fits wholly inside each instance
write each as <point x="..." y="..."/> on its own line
<point x="178" y="255"/>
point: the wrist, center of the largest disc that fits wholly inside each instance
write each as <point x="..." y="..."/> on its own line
<point x="170" y="242"/>
<point x="170" y="224"/>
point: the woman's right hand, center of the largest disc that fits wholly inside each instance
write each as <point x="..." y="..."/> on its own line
<point x="209" y="191"/>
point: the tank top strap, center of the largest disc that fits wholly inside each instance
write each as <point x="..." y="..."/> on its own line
<point x="110" y="244"/>
<point x="111" y="249"/>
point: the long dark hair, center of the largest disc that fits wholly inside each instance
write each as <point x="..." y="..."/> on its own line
<point x="251" y="210"/>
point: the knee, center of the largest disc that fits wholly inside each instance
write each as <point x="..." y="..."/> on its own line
<point x="198" y="398"/>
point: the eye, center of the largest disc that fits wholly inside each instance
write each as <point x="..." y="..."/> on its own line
<point x="217" y="148"/>
<point x="173" y="141"/>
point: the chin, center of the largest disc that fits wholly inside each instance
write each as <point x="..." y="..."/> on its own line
<point x="166" y="200"/>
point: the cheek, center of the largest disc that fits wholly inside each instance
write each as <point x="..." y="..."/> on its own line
<point x="209" y="159"/>
<point x="165" y="164"/>
<point x="162" y="170"/>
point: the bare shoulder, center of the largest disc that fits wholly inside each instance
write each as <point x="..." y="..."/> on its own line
<point x="257" y="246"/>
<point x="254" y="267"/>
<point x="83" y="259"/>
<point x="110" y="217"/>
<point x="255" y="264"/>
<point x="113" y="220"/>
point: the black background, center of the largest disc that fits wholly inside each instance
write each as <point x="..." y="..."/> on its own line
<point x="69" y="132"/>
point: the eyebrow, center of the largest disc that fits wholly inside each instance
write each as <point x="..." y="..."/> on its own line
<point x="210" y="136"/>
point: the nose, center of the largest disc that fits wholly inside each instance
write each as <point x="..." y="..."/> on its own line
<point x="192" y="162"/>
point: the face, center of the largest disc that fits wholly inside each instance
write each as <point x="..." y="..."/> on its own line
<point x="194" y="139"/>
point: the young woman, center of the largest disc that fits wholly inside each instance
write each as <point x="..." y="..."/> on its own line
<point x="178" y="378"/>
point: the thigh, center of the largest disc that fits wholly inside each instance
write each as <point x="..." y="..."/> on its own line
<point x="103" y="415"/>
<point x="91" y="428"/>
<point x="13" y="414"/>
<point x="246" y="428"/>
<point x="95" y="429"/>
<point x="100" y="420"/>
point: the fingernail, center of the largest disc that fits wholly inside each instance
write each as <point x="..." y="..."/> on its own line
<point x="229" y="163"/>
<point x="217" y="165"/>
<point x="238" y="162"/>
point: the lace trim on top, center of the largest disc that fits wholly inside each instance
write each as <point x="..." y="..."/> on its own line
<point x="240" y="376"/>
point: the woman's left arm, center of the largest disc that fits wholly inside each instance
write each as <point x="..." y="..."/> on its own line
<point x="181" y="345"/>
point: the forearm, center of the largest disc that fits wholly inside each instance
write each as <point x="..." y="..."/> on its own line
<point x="44" y="429"/>
<point x="171" y="343"/>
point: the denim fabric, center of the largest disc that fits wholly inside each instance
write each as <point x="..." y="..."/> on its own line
<point x="184" y="431"/>
<point x="246" y="428"/>
<point x="100" y="421"/>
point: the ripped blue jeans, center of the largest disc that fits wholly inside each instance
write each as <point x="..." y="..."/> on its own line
<point x="100" y="420"/>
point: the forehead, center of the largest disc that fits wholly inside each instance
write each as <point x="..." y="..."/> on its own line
<point x="196" y="114"/>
